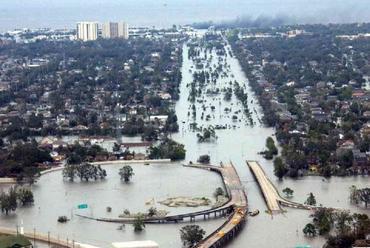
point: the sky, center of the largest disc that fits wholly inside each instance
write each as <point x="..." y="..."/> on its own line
<point x="65" y="13"/>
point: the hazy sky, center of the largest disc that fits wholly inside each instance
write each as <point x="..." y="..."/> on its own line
<point x="64" y="13"/>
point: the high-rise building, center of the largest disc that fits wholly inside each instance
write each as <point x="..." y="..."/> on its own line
<point x="123" y="30"/>
<point x="110" y="30"/>
<point x="115" y="30"/>
<point x="87" y="31"/>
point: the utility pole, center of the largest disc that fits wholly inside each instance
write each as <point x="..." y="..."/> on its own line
<point x="34" y="237"/>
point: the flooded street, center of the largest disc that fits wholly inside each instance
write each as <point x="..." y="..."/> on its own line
<point x="243" y="143"/>
<point x="239" y="142"/>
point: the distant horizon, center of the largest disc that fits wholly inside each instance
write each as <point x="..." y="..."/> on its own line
<point x="54" y="14"/>
<point x="73" y="26"/>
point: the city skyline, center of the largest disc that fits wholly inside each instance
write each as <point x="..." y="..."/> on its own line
<point x="64" y="14"/>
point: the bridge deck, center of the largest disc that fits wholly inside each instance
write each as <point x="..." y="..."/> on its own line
<point x="235" y="221"/>
<point x="270" y="193"/>
<point x="45" y="238"/>
<point x="236" y="209"/>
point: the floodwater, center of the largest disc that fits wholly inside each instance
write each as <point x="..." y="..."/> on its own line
<point x="243" y="143"/>
<point x="55" y="197"/>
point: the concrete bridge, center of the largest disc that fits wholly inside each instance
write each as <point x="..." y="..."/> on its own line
<point x="272" y="197"/>
<point x="235" y="209"/>
<point x="233" y="188"/>
<point x="47" y="239"/>
<point x="236" y="219"/>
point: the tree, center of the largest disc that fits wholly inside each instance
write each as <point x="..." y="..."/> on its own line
<point x="22" y="162"/>
<point x="84" y="171"/>
<point x="309" y="230"/>
<point x="191" y="235"/>
<point x="204" y="159"/>
<point x="279" y="168"/>
<point x="271" y="148"/>
<point x="208" y="134"/>
<point x="363" y="195"/>
<point x="62" y="219"/>
<point x="25" y="196"/>
<point x="69" y="171"/>
<point x="344" y="220"/>
<point x="323" y="219"/>
<point x="138" y="223"/>
<point x="288" y="192"/>
<point x="345" y="159"/>
<point x="116" y="147"/>
<point x="311" y="200"/>
<point x="152" y="212"/>
<point x="353" y="194"/>
<point x="126" y="172"/>
<point x="219" y="192"/>
<point x="8" y="201"/>
<point x="168" y="149"/>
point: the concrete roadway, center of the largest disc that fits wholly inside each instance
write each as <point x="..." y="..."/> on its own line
<point x="238" y="200"/>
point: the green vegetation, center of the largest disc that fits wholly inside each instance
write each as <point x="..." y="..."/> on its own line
<point x="309" y="230"/>
<point x="25" y="196"/>
<point x="311" y="200"/>
<point x="167" y="149"/>
<point x="84" y="171"/>
<point x="191" y="234"/>
<point x="76" y="153"/>
<point x="279" y="168"/>
<point x="10" y="200"/>
<point x="204" y="159"/>
<point x="271" y="149"/>
<point x="218" y="192"/>
<point x="342" y="226"/>
<point x="208" y="134"/>
<point x="138" y="223"/>
<point x="152" y="212"/>
<point x="126" y="172"/>
<point x="84" y="71"/>
<point x="288" y="192"/>
<point x="63" y="219"/>
<point x="23" y="162"/>
<point x="311" y="89"/>
<point x="358" y="196"/>
<point x="243" y="98"/>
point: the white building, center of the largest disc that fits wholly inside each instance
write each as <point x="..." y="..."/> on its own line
<point x="115" y="30"/>
<point x="123" y="30"/>
<point x="87" y="31"/>
<point x="136" y="244"/>
<point x="110" y="30"/>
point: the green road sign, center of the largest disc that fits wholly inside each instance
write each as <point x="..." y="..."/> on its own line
<point x="82" y="206"/>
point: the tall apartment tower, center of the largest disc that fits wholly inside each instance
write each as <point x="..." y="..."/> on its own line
<point x="115" y="30"/>
<point x="110" y="30"/>
<point x="87" y="31"/>
<point x="123" y="30"/>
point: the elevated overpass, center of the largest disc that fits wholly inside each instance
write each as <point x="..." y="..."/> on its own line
<point x="271" y="195"/>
